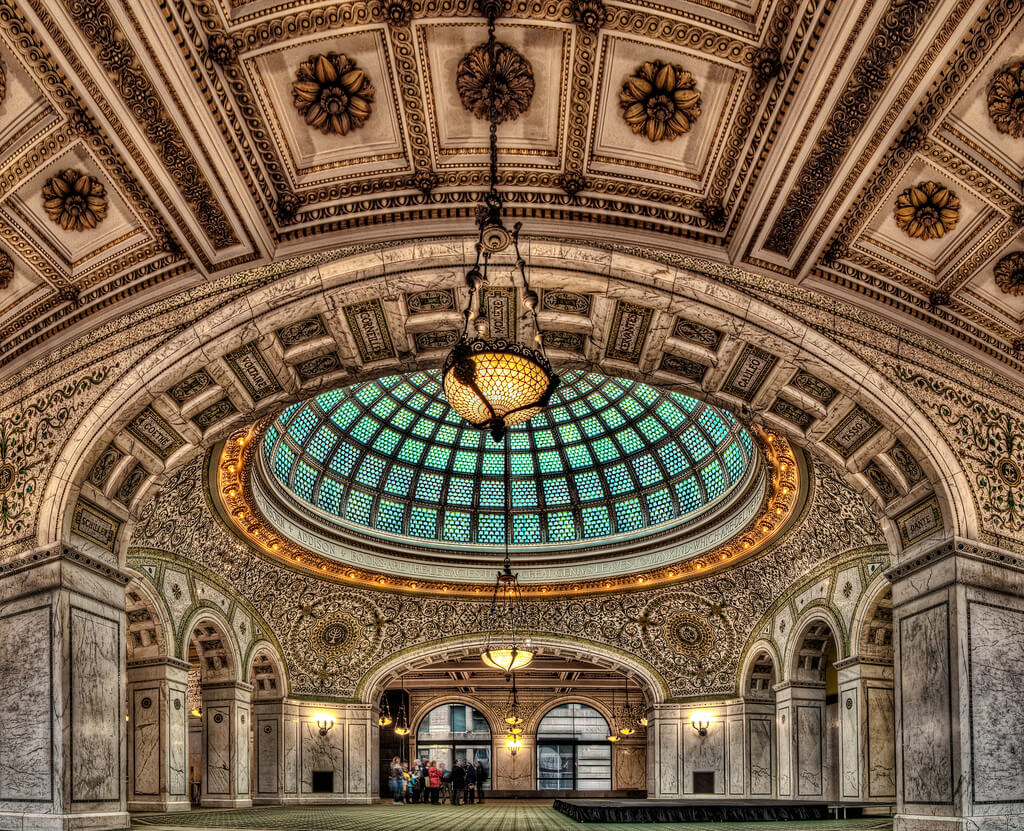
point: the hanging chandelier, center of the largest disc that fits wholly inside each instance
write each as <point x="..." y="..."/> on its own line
<point x="507" y="648"/>
<point x="626" y="717"/>
<point x="401" y="727"/>
<point x="513" y="715"/>
<point x="384" y="719"/>
<point x="613" y="735"/>
<point x="494" y="383"/>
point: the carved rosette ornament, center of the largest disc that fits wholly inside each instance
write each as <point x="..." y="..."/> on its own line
<point x="660" y="101"/>
<point x="222" y="49"/>
<point x="75" y="201"/>
<point x="927" y="210"/>
<point x="332" y="94"/>
<point x="590" y="15"/>
<point x="510" y="85"/>
<point x="1006" y="100"/>
<point x="1009" y="273"/>
<point x="397" y="12"/>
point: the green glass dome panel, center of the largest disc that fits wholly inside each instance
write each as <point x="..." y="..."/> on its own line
<point x="609" y="458"/>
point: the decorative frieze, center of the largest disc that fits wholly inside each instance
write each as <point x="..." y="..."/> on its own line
<point x="749" y="373"/>
<point x="252" y="370"/>
<point x="851" y="433"/>
<point x="628" y="331"/>
<point x="150" y="428"/>
<point x="94" y="524"/>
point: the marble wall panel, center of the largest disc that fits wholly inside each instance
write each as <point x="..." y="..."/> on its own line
<point x="668" y="758"/>
<point x="321" y="753"/>
<point x="267" y="746"/>
<point x="996" y="665"/>
<point x="146" y="741"/>
<point x="808" y="751"/>
<point x="242" y="751"/>
<point x="630" y="764"/>
<point x="357" y="757"/>
<point x="218" y="750"/>
<point x="849" y="743"/>
<point x="785" y="743"/>
<point x="759" y="739"/>
<point x="177" y="725"/>
<point x="704" y="753"/>
<point x="26" y="772"/>
<point x="96" y="700"/>
<point x="881" y="740"/>
<point x="926" y="728"/>
<point x="736" y="756"/>
<point x="291" y="756"/>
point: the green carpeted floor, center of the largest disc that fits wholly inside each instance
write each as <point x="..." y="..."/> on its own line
<point x="498" y="816"/>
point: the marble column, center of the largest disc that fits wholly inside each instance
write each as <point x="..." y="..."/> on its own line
<point x="62" y="670"/>
<point x="867" y="731"/>
<point x="158" y="735"/>
<point x="751" y="748"/>
<point x="958" y="616"/>
<point x="269" y="760"/>
<point x="800" y="724"/>
<point x="226" y="745"/>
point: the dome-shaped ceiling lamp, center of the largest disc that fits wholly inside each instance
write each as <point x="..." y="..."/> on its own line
<point x="495" y="383"/>
<point x="507" y="649"/>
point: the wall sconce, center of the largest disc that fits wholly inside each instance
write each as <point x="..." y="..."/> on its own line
<point x="513" y="744"/>
<point x="325" y="721"/>
<point x="701" y="720"/>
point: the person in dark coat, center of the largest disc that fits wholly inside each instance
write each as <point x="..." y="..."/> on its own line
<point x="481" y="777"/>
<point x="458" y="782"/>
<point x="470" y="783"/>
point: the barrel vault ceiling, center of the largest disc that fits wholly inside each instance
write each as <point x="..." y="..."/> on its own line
<point x="872" y="149"/>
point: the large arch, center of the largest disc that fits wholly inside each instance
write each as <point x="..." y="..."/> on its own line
<point x="384" y="672"/>
<point x="266" y="309"/>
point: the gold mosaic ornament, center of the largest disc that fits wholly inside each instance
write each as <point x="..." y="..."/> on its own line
<point x="1006" y="100"/>
<point x="1009" y="273"/>
<point x="512" y="82"/>
<point x="75" y="201"/>
<point x="927" y="210"/>
<point x="332" y="94"/>
<point x="660" y="101"/>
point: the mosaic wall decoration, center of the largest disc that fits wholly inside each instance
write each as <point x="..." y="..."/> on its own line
<point x="850" y="434"/>
<point x="216" y="411"/>
<point x="334" y="636"/>
<point x="628" y="331"/>
<point x="792" y="413"/>
<point x="191" y="386"/>
<point x="252" y="370"/>
<point x="301" y="331"/>
<point x="320" y="365"/>
<point x="907" y="464"/>
<point x="369" y="327"/>
<point x="131" y="484"/>
<point x="569" y="302"/>
<point x="437" y="339"/>
<point x="749" y="373"/>
<point x="94" y="524"/>
<point x="499" y="303"/>
<point x="881" y="482"/>
<point x="814" y="387"/>
<point x="682" y="366"/>
<point x="694" y="332"/>
<point x="150" y="428"/>
<point x="566" y="341"/>
<point x="920" y="521"/>
<point x="104" y="465"/>
<point x="434" y="300"/>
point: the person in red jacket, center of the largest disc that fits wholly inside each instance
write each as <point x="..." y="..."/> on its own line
<point x="433" y="782"/>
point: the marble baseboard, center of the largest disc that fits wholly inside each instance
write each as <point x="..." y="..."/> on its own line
<point x="225" y="802"/>
<point x="106" y="821"/>
<point x="166" y="805"/>
<point x="999" y="822"/>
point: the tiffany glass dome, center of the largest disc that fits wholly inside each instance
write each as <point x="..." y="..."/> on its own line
<point x="609" y="463"/>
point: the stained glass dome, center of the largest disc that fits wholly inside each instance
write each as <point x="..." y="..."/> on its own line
<point x="610" y="459"/>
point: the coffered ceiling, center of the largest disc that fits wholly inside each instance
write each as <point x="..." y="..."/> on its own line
<point x="873" y="149"/>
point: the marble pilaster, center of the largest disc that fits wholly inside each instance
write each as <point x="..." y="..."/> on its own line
<point x="958" y="615"/>
<point x="62" y="665"/>
<point x="226" y="745"/>
<point x="801" y="725"/>
<point x="867" y="737"/>
<point x="158" y="735"/>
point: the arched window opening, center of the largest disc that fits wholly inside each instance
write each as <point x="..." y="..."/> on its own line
<point x="455" y="734"/>
<point x="573" y="753"/>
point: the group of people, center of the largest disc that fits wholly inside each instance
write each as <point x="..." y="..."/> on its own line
<point x="425" y="782"/>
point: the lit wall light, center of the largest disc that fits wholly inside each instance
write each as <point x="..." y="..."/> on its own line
<point x="701" y="720"/>
<point x="325" y="721"/>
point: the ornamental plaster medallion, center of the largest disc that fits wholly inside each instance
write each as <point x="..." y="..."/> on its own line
<point x="690" y="634"/>
<point x="508" y="88"/>
<point x="1006" y="100"/>
<point x="6" y="269"/>
<point x="334" y="636"/>
<point x="6" y="477"/>
<point x="75" y="201"/>
<point x="927" y="210"/>
<point x="332" y="94"/>
<point x="222" y="49"/>
<point x="660" y="101"/>
<point x="1009" y="472"/>
<point x="590" y="15"/>
<point x="1009" y="273"/>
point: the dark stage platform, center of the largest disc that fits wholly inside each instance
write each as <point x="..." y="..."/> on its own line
<point x="689" y="810"/>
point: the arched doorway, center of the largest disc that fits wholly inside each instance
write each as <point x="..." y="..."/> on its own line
<point x="573" y="751"/>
